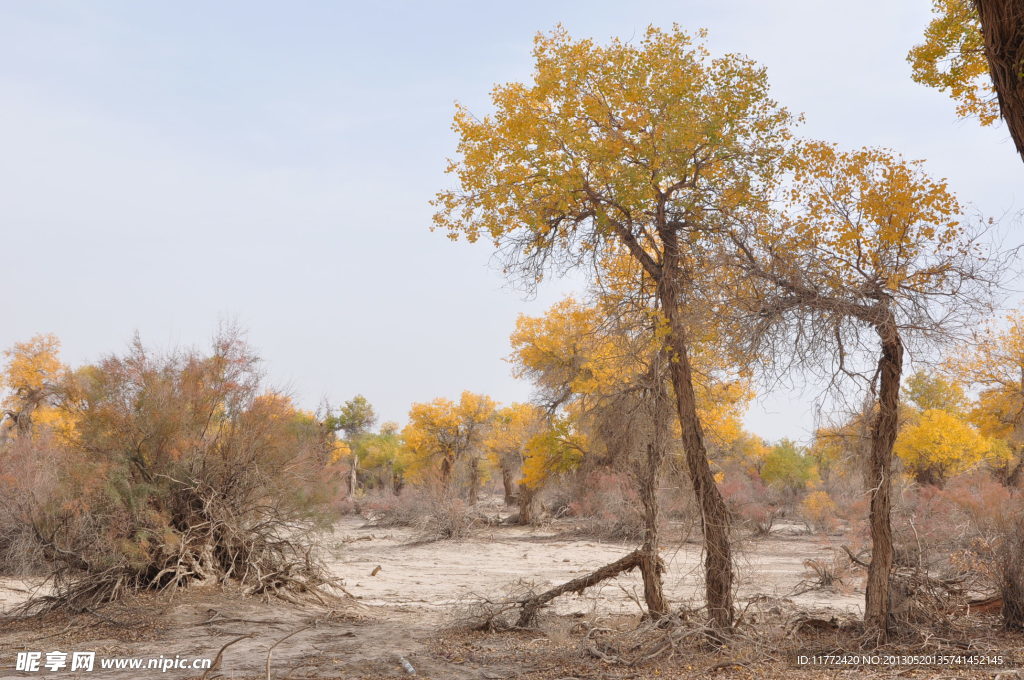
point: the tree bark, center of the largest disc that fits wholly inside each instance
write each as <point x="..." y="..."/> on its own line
<point x="474" y="480"/>
<point x="715" y="522"/>
<point x="883" y="436"/>
<point x="447" y="463"/>
<point x="353" y="476"/>
<point x="526" y="495"/>
<point x="651" y="566"/>
<point x="530" y="606"/>
<point x="508" y="484"/>
<point x="1002" y="28"/>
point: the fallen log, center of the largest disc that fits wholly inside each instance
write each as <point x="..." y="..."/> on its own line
<point x="531" y="605"/>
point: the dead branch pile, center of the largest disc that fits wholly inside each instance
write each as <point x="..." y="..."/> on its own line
<point x="921" y="600"/>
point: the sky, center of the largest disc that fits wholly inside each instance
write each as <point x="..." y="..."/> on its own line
<point x="165" y="167"/>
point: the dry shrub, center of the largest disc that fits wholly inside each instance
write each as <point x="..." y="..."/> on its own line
<point x="750" y="500"/>
<point x="968" y="535"/>
<point x="829" y="572"/>
<point x="435" y="515"/>
<point x="491" y="614"/>
<point x="926" y="603"/>
<point x="994" y="515"/>
<point x="182" y="470"/>
<point x="923" y="522"/>
<point x="28" y="480"/>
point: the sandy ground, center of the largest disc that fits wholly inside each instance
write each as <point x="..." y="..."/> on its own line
<point x="404" y="609"/>
<point x="432" y="578"/>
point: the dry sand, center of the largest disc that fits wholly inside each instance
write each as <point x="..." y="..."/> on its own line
<point x="417" y="591"/>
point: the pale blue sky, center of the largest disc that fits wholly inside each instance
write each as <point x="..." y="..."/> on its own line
<point x="167" y="165"/>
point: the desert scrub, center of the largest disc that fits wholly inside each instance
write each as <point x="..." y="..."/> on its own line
<point x="179" y="469"/>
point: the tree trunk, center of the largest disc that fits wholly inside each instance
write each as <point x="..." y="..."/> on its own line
<point x="1015" y="472"/>
<point x="1002" y="28"/>
<point x="531" y="605"/>
<point x="447" y="463"/>
<point x="715" y="523"/>
<point x="526" y="495"/>
<point x="883" y="436"/>
<point x="389" y="476"/>
<point x="474" y="480"/>
<point x="353" y="476"/>
<point x="508" y="484"/>
<point x="651" y="566"/>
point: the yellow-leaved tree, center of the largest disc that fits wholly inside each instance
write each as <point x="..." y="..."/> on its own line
<point x="936" y="444"/>
<point x="511" y="430"/>
<point x="996" y="368"/>
<point x="445" y="438"/>
<point x="868" y="249"/>
<point x="634" y="148"/>
<point x="31" y="378"/>
<point x="601" y="368"/>
<point x="936" y="439"/>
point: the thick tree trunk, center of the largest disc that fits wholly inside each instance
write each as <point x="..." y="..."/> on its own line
<point x="447" y="463"/>
<point x="526" y="495"/>
<point x="353" y="476"/>
<point x="883" y="436"/>
<point x="507" y="483"/>
<point x="651" y="566"/>
<point x="1002" y="28"/>
<point x="715" y="522"/>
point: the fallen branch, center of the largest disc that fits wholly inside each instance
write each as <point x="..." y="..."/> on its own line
<point x="532" y="605"/>
<point x="215" y="666"/>
<point x="270" y="651"/>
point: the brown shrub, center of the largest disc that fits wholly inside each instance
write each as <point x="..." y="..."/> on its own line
<point x="181" y="469"/>
<point x="750" y="500"/>
<point x="995" y="545"/>
<point x="436" y="515"/>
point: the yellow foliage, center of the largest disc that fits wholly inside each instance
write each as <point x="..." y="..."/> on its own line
<point x="819" y="509"/>
<point x="32" y="365"/>
<point x="31" y="377"/>
<point x="442" y="432"/>
<point x="937" y="444"/>
<point x="868" y="218"/>
<point x="511" y="428"/>
<point x="571" y="354"/>
<point x="603" y="136"/>
<point x="952" y="59"/>
<point x="996" y="368"/>
<point x="557" y="450"/>
<point x="340" y="450"/>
